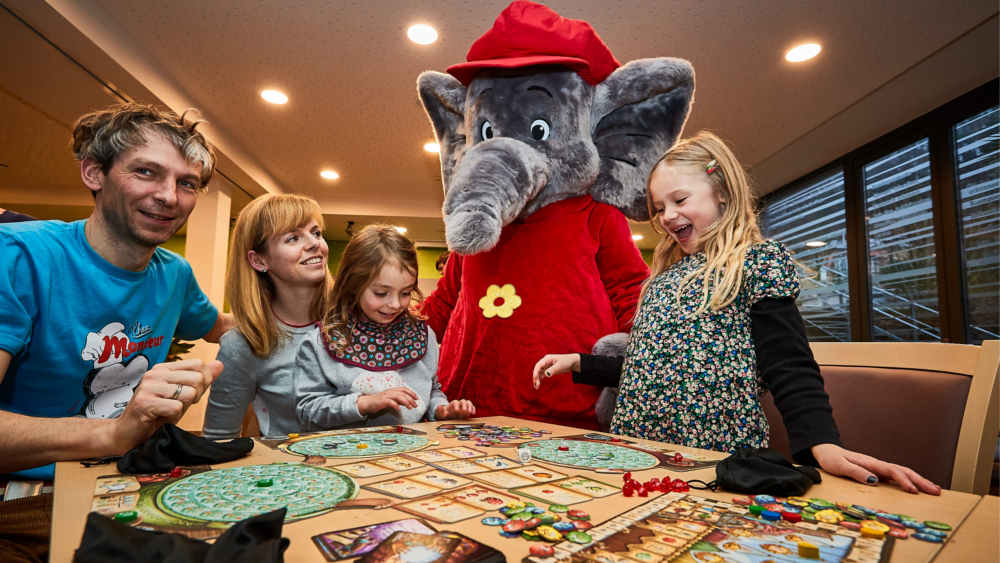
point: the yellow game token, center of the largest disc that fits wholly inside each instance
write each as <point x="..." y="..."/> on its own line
<point x="549" y="533"/>
<point x="829" y="516"/>
<point x="362" y="446"/>
<point x="872" y="533"/>
<point x="797" y="501"/>
<point x="293" y="435"/>
<point x="875" y="525"/>
<point x="808" y="551"/>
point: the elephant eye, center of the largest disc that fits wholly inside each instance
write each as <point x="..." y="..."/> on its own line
<point x="539" y="129"/>
<point x="487" y="130"/>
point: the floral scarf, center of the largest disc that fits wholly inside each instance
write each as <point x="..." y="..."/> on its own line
<point x="378" y="347"/>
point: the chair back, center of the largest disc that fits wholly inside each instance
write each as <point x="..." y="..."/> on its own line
<point x="928" y="406"/>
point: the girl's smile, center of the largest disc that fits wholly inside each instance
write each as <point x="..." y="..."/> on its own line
<point x="686" y="203"/>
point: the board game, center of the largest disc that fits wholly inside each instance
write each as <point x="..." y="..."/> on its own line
<point x="611" y="454"/>
<point x="201" y="502"/>
<point x="377" y="441"/>
<point x="680" y="528"/>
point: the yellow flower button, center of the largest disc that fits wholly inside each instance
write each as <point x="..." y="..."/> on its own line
<point x="505" y="295"/>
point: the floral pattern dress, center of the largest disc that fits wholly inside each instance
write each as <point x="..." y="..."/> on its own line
<point x="691" y="379"/>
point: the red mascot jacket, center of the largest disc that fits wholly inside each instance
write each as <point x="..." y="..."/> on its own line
<point x="577" y="272"/>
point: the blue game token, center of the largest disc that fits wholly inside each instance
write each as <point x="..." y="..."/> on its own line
<point x="564" y="526"/>
<point x="792" y="509"/>
<point x="867" y="511"/>
<point x="493" y="521"/>
<point x="935" y="533"/>
<point x="927" y="537"/>
<point x="537" y="510"/>
<point x="769" y="515"/>
<point x="888" y="516"/>
<point x="913" y="524"/>
<point x="510" y="535"/>
<point x="764" y="499"/>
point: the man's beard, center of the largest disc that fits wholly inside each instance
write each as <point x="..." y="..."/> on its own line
<point x="124" y="226"/>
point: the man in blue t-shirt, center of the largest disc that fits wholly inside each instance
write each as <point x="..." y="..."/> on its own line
<point x="89" y="308"/>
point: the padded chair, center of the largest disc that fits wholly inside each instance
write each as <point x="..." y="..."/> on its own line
<point x="931" y="407"/>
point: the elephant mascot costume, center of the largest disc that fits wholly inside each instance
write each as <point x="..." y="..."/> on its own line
<point x="546" y="144"/>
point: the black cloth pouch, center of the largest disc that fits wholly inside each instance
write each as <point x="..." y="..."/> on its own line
<point x="764" y="472"/>
<point x="254" y="540"/>
<point x="170" y="446"/>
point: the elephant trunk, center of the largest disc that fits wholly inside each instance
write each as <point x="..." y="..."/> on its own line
<point x="492" y="183"/>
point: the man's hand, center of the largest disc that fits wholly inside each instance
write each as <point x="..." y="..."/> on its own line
<point x="455" y="410"/>
<point x="868" y="470"/>
<point x="554" y="364"/>
<point x="390" y="398"/>
<point x="164" y="395"/>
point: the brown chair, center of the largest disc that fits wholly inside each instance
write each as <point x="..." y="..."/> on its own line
<point x="250" y="428"/>
<point x="931" y="407"/>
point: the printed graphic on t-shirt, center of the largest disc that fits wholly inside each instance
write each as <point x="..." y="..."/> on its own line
<point x="118" y="367"/>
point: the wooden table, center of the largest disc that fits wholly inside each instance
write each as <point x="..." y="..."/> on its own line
<point x="74" y="492"/>
<point x="979" y="537"/>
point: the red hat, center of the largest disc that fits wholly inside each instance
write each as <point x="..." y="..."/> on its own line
<point x="527" y="34"/>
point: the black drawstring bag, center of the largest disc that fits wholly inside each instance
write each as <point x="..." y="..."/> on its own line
<point x="170" y="446"/>
<point x="762" y="472"/>
<point x="254" y="540"/>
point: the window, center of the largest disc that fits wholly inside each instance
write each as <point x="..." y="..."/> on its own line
<point x="810" y="221"/>
<point x="900" y="228"/>
<point x="978" y="190"/>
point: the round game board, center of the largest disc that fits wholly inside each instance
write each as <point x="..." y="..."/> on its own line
<point x="347" y="445"/>
<point x="232" y="494"/>
<point x="591" y="455"/>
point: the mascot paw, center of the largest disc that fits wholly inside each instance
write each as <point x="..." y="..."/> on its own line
<point x="610" y="345"/>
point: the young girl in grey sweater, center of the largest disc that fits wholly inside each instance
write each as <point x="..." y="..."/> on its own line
<point x="372" y="361"/>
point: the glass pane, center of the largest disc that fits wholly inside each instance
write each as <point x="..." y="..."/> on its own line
<point x="901" y="246"/>
<point x="809" y="220"/>
<point x="976" y="155"/>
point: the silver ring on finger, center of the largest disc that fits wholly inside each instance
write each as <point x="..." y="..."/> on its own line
<point x="177" y="392"/>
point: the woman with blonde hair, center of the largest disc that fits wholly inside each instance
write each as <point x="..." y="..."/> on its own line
<point x="277" y="285"/>
<point x="717" y="327"/>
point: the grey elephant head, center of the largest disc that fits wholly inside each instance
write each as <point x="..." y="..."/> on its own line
<point x="517" y="140"/>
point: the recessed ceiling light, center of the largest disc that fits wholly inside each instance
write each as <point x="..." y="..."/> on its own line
<point x="432" y="147"/>
<point x="802" y="53"/>
<point x="402" y="230"/>
<point x="816" y="243"/>
<point x="274" y="96"/>
<point x="329" y="174"/>
<point x="636" y="237"/>
<point x="422" y="34"/>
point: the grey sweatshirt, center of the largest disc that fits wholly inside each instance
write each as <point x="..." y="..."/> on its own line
<point x="264" y="382"/>
<point x="327" y="391"/>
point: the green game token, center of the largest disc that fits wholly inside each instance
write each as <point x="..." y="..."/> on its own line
<point x="578" y="537"/>
<point x="806" y="517"/>
<point x="522" y="516"/>
<point x="558" y="508"/>
<point x="906" y="518"/>
<point x="756" y="509"/>
<point x="126" y="516"/>
<point x="821" y="504"/>
<point x="531" y="535"/>
<point x="265" y="482"/>
<point x="808" y="509"/>
<point x="937" y="525"/>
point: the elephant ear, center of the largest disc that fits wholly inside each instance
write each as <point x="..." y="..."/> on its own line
<point x="443" y="98"/>
<point x="638" y="113"/>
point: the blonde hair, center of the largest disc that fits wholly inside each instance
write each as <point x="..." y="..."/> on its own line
<point x="726" y="242"/>
<point x="249" y="291"/>
<point x="372" y="249"/>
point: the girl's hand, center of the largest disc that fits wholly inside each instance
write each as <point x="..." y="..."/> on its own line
<point x="835" y="460"/>
<point x="390" y="398"/>
<point x="554" y="364"/>
<point x="455" y="410"/>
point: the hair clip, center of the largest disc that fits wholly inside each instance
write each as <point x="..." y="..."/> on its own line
<point x="711" y="167"/>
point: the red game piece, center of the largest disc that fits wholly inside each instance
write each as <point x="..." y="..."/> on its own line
<point x="627" y="490"/>
<point x="176" y="472"/>
<point x="898" y="534"/>
<point x="742" y="501"/>
<point x="679" y="486"/>
<point x="627" y="476"/>
<point x="642" y="491"/>
<point x="542" y="550"/>
<point x="654" y="484"/>
<point x="678" y="457"/>
<point x="564" y="448"/>
<point x="616" y="439"/>
<point x="791" y="517"/>
<point x="850" y="525"/>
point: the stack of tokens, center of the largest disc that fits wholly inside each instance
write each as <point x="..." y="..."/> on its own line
<point x="533" y="523"/>
<point x="491" y="435"/>
<point x="867" y="522"/>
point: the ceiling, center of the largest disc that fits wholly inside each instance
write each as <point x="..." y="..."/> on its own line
<point x="350" y="71"/>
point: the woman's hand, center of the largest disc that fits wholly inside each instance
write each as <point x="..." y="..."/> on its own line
<point x="455" y="410"/>
<point x="554" y="364"/>
<point x="835" y="460"/>
<point x="390" y="398"/>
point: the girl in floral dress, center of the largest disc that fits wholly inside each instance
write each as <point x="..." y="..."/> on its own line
<point x="717" y="327"/>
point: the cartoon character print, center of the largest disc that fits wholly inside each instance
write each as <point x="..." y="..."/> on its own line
<point x="371" y="383"/>
<point x="110" y="385"/>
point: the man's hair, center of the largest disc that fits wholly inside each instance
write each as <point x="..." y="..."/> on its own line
<point x="103" y="135"/>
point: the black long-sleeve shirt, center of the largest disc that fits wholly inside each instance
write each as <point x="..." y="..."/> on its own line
<point x="786" y="364"/>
